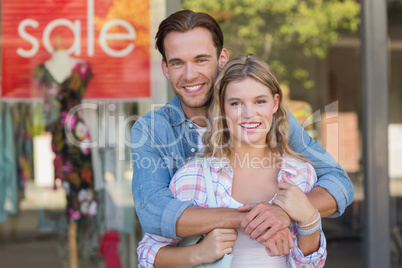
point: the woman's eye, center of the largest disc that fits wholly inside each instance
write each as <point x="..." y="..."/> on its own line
<point x="236" y="103"/>
<point x="261" y="101"/>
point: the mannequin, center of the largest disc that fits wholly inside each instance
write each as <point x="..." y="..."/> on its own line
<point x="60" y="64"/>
<point x="63" y="81"/>
<point x="301" y="110"/>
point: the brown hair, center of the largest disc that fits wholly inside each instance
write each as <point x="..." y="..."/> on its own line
<point x="217" y="136"/>
<point x="184" y="21"/>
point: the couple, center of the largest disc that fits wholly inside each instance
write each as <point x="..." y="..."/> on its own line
<point x="191" y="45"/>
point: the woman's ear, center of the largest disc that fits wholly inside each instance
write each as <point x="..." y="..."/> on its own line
<point x="277" y="98"/>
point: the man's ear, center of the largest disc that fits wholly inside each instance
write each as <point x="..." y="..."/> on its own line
<point x="165" y="69"/>
<point x="223" y="58"/>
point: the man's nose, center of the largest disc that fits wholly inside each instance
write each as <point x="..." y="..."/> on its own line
<point x="190" y="72"/>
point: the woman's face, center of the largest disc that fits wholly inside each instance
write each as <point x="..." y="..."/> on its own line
<point x="249" y="106"/>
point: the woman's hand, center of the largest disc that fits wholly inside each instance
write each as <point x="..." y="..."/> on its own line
<point x="216" y="244"/>
<point x="294" y="201"/>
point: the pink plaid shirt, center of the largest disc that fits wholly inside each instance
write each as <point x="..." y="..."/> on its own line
<point x="188" y="184"/>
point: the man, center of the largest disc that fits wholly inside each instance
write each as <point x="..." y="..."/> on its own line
<point x="191" y="45"/>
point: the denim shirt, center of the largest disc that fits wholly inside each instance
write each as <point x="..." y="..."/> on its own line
<point x="160" y="142"/>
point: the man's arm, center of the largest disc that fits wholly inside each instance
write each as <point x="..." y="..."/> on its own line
<point x="332" y="179"/>
<point x="197" y="220"/>
<point x="156" y="207"/>
<point x="323" y="201"/>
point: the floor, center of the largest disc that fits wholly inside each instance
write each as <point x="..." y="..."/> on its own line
<point x="22" y="245"/>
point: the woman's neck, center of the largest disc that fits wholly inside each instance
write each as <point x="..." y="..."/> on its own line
<point x="249" y="156"/>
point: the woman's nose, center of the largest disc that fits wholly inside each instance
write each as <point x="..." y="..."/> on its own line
<point x="248" y="111"/>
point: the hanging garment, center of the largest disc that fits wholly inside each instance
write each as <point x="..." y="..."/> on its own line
<point x="109" y="249"/>
<point x="8" y="165"/>
<point x="92" y="117"/>
<point x="22" y="117"/>
<point x="70" y="135"/>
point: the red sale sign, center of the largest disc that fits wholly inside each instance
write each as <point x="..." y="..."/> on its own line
<point x="113" y="35"/>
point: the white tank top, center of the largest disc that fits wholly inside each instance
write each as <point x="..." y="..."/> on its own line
<point x="249" y="253"/>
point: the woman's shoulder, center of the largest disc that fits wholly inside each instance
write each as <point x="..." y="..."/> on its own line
<point x="297" y="163"/>
<point x="194" y="167"/>
<point x="299" y="171"/>
<point x="187" y="183"/>
<point x="193" y="162"/>
<point x="191" y="166"/>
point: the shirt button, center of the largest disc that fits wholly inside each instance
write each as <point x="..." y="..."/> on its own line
<point x="192" y="150"/>
<point x="190" y="125"/>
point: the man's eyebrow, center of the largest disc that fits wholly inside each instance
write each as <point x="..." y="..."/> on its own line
<point x="173" y="60"/>
<point x="203" y="56"/>
<point x="196" y="57"/>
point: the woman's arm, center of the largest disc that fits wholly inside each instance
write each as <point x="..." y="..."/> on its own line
<point x="216" y="244"/>
<point x="295" y="202"/>
<point x="180" y="257"/>
<point x="149" y="246"/>
<point x="310" y="240"/>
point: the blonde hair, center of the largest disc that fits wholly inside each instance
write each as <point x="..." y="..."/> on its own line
<point x="217" y="136"/>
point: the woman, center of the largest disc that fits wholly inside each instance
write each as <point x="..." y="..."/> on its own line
<point x="250" y="162"/>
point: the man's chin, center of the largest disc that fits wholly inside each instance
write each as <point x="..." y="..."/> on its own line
<point x="195" y="104"/>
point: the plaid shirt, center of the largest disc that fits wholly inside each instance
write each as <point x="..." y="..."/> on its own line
<point x="188" y="184"/>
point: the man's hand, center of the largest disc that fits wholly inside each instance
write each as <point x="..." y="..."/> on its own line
<point x="268" y="224"/>
<point x="280" y="244"/>
<point x="261" y="217"/>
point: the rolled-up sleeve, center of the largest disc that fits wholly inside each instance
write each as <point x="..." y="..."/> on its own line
<point x="314" y="260"/>
<point x="149" y="247"/>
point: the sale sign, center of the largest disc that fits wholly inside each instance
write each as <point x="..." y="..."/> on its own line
<point x="113" y="35"/>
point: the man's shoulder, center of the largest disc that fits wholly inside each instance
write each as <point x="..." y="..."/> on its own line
<point x="167" y="115"/>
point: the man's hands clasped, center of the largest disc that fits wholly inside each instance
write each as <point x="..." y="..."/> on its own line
<point x="268" y="224"/>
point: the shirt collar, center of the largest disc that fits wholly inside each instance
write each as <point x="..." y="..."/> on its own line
<point x="218" y="164"/>
<point x="175" y="111"/>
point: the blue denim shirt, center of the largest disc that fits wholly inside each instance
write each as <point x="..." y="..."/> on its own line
<point x="160" y="142"/>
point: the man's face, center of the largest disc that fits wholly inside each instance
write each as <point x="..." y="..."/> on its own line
<point x="191" y="66"/>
